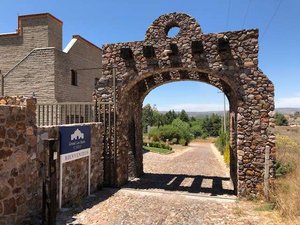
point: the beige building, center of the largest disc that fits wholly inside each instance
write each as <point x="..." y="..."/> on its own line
<point x="33" y="62"/>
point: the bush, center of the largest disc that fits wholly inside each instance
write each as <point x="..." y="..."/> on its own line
<point x="280" y="120"/>
<point x="182" y="142"/>
<point x="227" y="154"/>
<point x="176" y="131"/>
<point x="158" y="145"/>
<point x="154" y="134"/>
<point x="222" y="141"/>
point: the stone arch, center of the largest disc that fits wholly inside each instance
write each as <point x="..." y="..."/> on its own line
<point x="228" y="61"/>
<point x="160" y="27"/>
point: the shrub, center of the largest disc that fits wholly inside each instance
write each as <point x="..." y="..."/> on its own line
<point x="222" y="141"/>
<point x="280" y="120"/>
<point x="182" y="142"/>
<point x="159" y="145"/>
<point x="154" y="134"/>
<point x="227" y="154"/>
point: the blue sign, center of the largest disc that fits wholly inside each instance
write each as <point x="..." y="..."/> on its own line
<point x="74" y="138"/>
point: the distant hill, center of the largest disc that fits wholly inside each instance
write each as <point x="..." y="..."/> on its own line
<point x="201" y="114"/>
<point x="288" y="110"/>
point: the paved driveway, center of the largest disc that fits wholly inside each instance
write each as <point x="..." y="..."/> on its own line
<point x="190" y="187"/>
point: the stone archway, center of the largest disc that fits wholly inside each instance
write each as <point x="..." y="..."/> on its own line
<point x="228" y="61"/>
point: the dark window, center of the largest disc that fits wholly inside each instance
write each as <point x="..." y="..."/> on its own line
<point x="74" y="80"/>
<point x="96" y="82"/>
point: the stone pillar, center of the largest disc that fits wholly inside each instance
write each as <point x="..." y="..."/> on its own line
<point x="255" y="136"/>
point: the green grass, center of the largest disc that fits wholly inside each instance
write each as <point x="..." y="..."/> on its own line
<point x="158" y="150"/>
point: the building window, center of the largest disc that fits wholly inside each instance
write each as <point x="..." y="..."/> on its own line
<point x="74" y="80"/>
<point x="96" y="82"/>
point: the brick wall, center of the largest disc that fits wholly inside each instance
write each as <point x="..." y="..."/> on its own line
<point x="33" y="61"/>
<point x="34" y="31"/>
<point x="34" y="75"/>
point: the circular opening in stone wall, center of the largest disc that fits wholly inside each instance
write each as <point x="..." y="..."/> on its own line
<point x="173" y="31"/>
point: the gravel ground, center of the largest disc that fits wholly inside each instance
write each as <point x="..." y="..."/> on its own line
<point x="191" y="187"/>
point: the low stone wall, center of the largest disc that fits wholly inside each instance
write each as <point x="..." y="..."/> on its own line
<point x="20" y="181"/>
<point x="75" y="173"/>
<point x="23" y="162"/>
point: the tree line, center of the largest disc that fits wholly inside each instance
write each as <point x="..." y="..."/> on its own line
<point x="178" y="127"/>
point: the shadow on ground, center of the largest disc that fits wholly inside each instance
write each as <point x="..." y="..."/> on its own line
<point x="168" y="182"/>
<point x="173" y="182"/>
<point x="67" y="216"/>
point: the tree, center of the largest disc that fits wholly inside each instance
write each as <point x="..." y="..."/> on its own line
<point x="280" y="120"/>
<point x="211" y="125"/>
<point x="183" y="116"/>
<point x="183" y="129"/>
<point x="170" y="116"/>
<point x="148" y="117"/>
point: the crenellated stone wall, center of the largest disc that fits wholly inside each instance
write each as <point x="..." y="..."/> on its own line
<point x="227" y="61"/>
<point x="20" y="181"/>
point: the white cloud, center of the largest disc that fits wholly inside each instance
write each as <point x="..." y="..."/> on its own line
<point x="191" y="107"/>
<point x="288" y="102"/>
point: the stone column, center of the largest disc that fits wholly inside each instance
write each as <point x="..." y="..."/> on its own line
<point x="254" y="135"/>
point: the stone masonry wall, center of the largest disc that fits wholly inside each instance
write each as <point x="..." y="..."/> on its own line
<point x="227" y="61"/>
<point x="75" y="173"/>
<point x="20" y="181"/>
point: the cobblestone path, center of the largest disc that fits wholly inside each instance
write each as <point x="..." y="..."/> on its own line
<point x="189" y="187"/>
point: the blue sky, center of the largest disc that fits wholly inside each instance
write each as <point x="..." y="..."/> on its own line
<point x="121" y="21"/>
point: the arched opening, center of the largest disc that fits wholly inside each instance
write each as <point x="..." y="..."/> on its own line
<point x="196" y="167"/>
<point x="219" y="184"/>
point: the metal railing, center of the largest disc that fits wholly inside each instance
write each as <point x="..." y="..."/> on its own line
<point x="65" y="113"/>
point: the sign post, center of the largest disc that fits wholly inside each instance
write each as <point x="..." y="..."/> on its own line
<point x="75" y="143"/>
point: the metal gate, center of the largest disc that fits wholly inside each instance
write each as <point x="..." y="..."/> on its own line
<point x="105" y="112"/>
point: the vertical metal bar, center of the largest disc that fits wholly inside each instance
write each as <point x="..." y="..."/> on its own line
<point x="52" y="112"/>
<point x="43" y="115"/>
<point x="56" y="114"/>
<point x="70" y="120"/>
<point x="89" y="113"/>
<point x="47" y="108"/>
<point x="65" y="111"/>
<point x="39" y="115"/>
<point x="2" y="83"/>
<point x="83" y="119"/>
<point x="75" y="113"/>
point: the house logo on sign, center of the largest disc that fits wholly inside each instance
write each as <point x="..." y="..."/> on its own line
<point x="77" y="135"/>
<point x="74" y="138"/>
